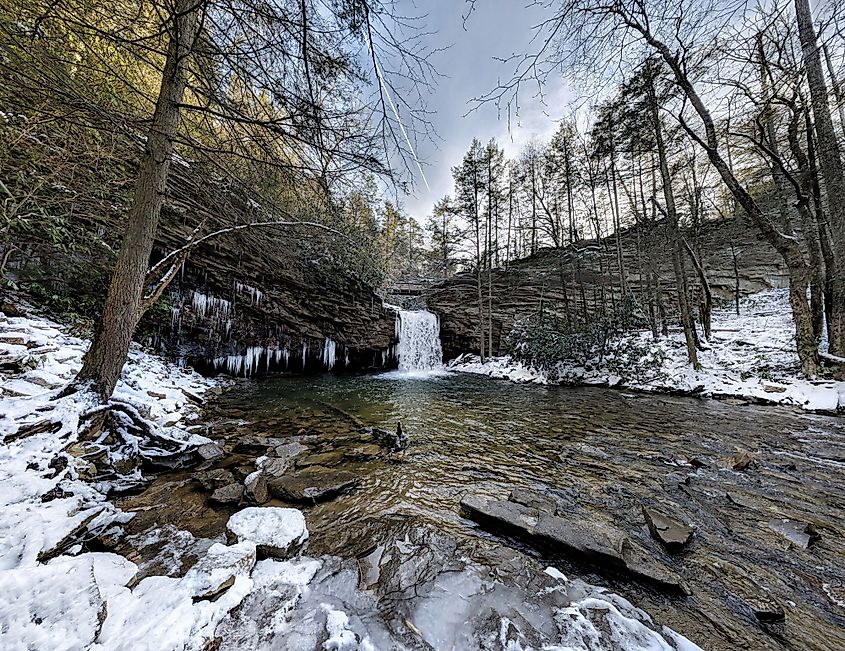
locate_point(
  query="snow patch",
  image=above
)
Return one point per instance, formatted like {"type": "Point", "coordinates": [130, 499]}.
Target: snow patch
{"type": "Point", "coordinates": [269, 527]}
{"type": "Point", "coordinates": [750, 355]}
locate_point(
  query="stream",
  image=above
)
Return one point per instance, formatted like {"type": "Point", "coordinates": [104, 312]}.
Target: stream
{"type": "Point", "coordinates": [607, 452]}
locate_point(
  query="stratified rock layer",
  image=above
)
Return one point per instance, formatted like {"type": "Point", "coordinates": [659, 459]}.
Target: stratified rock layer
{"type": "Point", "coordinates": [590, 272]}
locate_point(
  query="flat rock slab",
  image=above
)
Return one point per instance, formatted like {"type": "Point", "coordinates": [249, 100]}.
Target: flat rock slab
{"type": "Point", "coordinates": [799, 533]}
{"type": "Point", "coordinates": [600, 545]}
{"type": "Point", "coordinates": [276, 532]}
{"type": "Point", "coordinates": [316, 484]}
{"type": "Point", "coordinates": [673, 534]}
{"type": "Point", "coordinates": [211, 480]}
{"type": "Point", "coordinates": [331, 458]}
{"type": "Point", "coordinates": [288, 450]}
{"type": "Point", "coordinates": [231, 494]}
{"type": "Point", "coordinates": [274, 467]}
{"type": "Point", "coordinates": [363, 452]}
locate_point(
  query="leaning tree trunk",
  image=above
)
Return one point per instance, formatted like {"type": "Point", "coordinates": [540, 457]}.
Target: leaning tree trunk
{"type": "Point", "coordinates": [786, 246]}
{"type": "Point", "coordinates": [104, 361]}
{"type": "Point", "coordinates": [830, 161]}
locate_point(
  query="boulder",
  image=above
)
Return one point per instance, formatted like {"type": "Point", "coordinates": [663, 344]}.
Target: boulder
{"type": "Point", "coordinates": [274, 467]}
{"type": "Point", "coordinates": [316, 484]}
{"type": "Point", "coordinates": [255, 488]}
{"type": "Point", "coordinates": [673, 534]}
{"type": "Point", "coordinates": [288, 451]}
{"type": "Point", "coordinates": [216, 572]}
{"type": "Point", "coordinates": [231, 494]}
{"type": "Point", "coordinates": [276, 532]}
{"type": "Point", "coordinates": [600, 545]}
{"type": "Point", "coordinates": [209, 451]}
{"type": "Point", "coordinates": [211, 480]}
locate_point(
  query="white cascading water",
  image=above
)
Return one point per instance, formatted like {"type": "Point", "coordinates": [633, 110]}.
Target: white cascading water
{"type": "Point", "coordinates": [418, 332]}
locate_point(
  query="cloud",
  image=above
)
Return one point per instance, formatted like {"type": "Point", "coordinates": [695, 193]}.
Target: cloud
{"type": "Point", "coordinates": [471, 69]}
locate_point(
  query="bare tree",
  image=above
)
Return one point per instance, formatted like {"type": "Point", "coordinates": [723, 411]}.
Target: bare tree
{"type": "Point", "coordinates": [619, 36]}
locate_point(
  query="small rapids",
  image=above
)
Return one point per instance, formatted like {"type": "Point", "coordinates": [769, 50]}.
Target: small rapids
{"type": "Point", "coordinates": [418, 332]}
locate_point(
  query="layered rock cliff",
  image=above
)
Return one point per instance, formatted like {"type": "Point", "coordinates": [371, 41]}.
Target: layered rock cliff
{"type": "Point", "coordinates": [582, 278]}
{"type": "Point", "coordinates": [268, 299]}
{"type": "Point", "coordinates": [252, 300]}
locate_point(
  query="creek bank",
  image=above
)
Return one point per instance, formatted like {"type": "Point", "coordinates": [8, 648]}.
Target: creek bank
{"type": "Point", "coordinates": [750, 356]}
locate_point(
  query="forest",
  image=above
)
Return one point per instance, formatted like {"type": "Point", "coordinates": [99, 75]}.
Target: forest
{"type": "Point", "coordinates": [377, 324]}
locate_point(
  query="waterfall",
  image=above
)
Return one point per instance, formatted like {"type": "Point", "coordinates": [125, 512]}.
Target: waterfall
{"type": "Point", "coordinates": [419, 348]}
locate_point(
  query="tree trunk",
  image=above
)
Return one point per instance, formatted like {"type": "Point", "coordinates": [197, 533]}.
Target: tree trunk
{"type": "Point", "coordinates": [617, 218]}
{"type": "Point", "coordinates": [804, 338]}
{"type": "Point", "coordinates": [837, 88]}
{"type": "Point", "coordinates": [105, 358]}
{"type": "Point", "coordinates": [671, 212]}
{"type": "Point", "coordinates": [786, 246]}
{"type": "Point", "coordinates": [828, 256]}
{"type": "Point", "coordinates": [810, 228]}
{"type": "Point", "coordinates": [830, 162]}
{"type": "Point", "coordinates": [707, 306]}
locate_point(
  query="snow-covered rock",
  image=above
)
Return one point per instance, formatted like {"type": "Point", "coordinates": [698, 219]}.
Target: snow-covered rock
{"type": "Point", "coordinates": [276, 531]}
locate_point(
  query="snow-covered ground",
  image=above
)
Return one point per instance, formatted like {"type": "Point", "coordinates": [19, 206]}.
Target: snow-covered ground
{"type": "Point", "coordinates": [56, 596]}
{"type": "Point", "coordinates": [63, 598]}
{"type": "Point", "coordinates": [750, 355]}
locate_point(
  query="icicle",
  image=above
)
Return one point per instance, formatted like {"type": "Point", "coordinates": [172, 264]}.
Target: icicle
{"type": "Point", "coordinates": [329, 351]}
{"type": "Point", "coordinates": [205, 306]}
{"type": "Point", "coordinates": [246, 364]}
{"type": "Point", "coordinates": [254, 293]}
{"type": "Point", "coordinates": [175, 318]}
{"type": "Point", "coordinates": [304, 353]}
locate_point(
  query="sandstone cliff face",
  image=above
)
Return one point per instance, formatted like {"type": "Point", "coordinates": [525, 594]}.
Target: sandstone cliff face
{"type": "Point", "coordinates": [252, 300]}
{"type": "Point", "coordinates": [266, 299]}
{"type": "Point", "coordinates": [589, 272]}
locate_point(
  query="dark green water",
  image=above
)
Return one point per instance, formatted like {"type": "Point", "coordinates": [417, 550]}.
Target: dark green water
{"type": "Point", "coordinates": [609, 452]}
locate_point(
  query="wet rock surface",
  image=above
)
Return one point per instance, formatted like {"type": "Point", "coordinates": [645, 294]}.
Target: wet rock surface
{"type": "Point", "coordinates": [316, 484]}
{"type": "Point", "coordinates": [231, 494]}
{"type": "Point", "coordinates": [673, 534]}
{"type": "Point", "coordinates": [601, 545]}
{"type": "Point", "coordinates": [564, 457]}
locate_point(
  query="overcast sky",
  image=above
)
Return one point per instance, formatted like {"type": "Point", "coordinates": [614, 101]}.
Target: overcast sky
{"type": "Point", "coordinates": [497, 28]}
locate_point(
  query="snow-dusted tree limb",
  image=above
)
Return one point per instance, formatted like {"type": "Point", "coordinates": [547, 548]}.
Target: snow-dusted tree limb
{"type": "Point", "coordinates": [175, 259]}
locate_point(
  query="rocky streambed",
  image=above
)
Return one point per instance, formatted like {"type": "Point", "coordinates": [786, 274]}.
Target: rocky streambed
{"type": "Point", "coordinates": [722, 521]}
